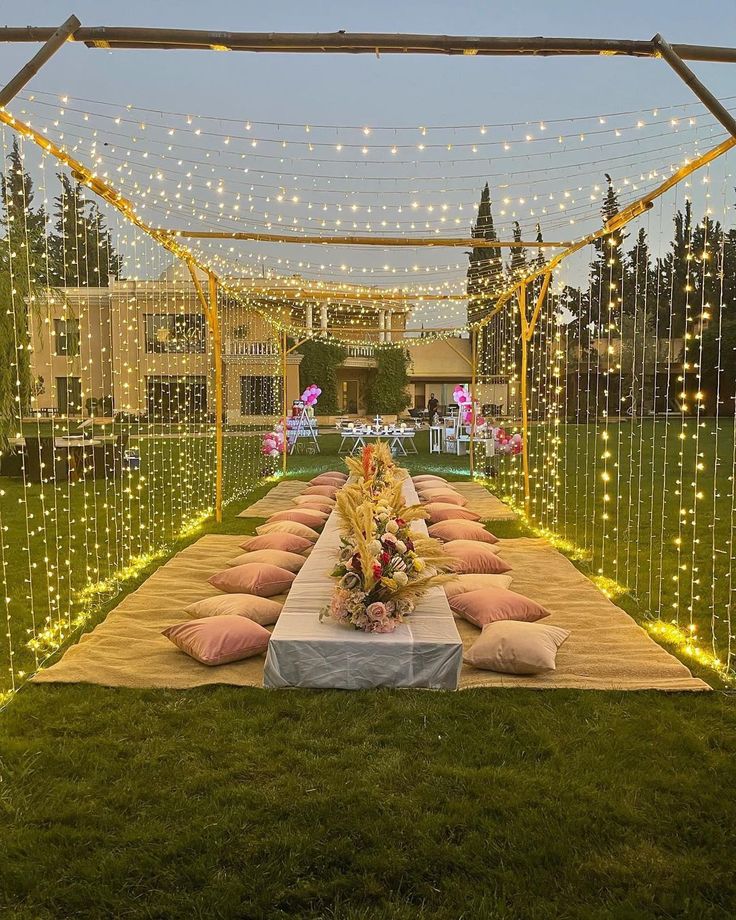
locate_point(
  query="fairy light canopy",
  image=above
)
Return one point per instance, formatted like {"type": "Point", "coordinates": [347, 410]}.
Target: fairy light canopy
{"type": "Point", "coordinates": [209, 175]}
{"type": "Point", "coordinates": [362, 232]}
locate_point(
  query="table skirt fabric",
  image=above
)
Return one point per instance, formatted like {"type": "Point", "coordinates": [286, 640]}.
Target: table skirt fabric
{"type": "Point", "coordinates": [425, 651]}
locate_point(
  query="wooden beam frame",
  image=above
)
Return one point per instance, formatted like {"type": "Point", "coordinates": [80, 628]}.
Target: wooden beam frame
{"type": "Point", "coordinates": [219, 401]}
{"type": "Point", "coordinates": [284, 405]}
{"type": "Point", "coordinates": [209, 308]}
{"type": "Point", "coordinates": [57, 38]}
{"type": "Point", "coordinates": [521, 300]}
{"type": "Point", "coordinates": [121, 37]}
{"type": "Point", "coordinates": [700, 89]}
{"type": "Point", "coordinates": [372, 240]}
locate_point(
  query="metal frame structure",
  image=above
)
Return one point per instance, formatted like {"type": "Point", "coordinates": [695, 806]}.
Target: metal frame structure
{"type": "Point", "coordinates": [363, 43]}
{"type": "Point", "coordinates": [132, 37]}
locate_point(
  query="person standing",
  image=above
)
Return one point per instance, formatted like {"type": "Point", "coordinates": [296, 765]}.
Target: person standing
{"type": "Point", "coordinates": [432, 405]}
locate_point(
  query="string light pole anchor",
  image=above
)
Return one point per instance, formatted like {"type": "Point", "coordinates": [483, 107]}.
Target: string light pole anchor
{"type": "Point", "coordinates": [716, 108]}
{"type": "Point", "coordinates": [48, 50]}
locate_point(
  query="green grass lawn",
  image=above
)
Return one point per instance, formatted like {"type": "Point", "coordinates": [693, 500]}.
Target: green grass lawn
{"type": "Point", "coordinates": [233, 802]}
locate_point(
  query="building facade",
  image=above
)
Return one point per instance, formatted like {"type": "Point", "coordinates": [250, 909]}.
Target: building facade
{"type": "Point", "coordinates": [143, 348]}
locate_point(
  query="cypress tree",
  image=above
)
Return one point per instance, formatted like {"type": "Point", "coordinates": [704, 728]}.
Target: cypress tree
{"type": "Point", "coordinates": [607, 269]}
{"type": "Point", "coordinates": [23, 269]}
{"type": "Point", "coordinates": [83, 253]}
{"type": "Point", "coordinates": [517, 264]}
{"type": "Point", "coordinates": [485, 277]}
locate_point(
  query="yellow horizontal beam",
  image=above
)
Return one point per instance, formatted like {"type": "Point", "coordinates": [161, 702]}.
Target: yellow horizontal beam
{"type": "Point", "coordinates": [136, 37]}
{"type": "Point", "coordinates": [371, 240]}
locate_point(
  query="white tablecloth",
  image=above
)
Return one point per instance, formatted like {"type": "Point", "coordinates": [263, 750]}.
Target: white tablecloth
{"type": "Point", "coordinates": [424, 651]}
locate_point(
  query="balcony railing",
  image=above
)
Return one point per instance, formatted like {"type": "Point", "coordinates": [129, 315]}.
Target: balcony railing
{"type": "Point", "coordinates": [360, 351]}
{"type": "Point", "coordinates": [245, 349]}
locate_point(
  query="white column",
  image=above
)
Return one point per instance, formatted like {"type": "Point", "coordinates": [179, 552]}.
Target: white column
{"type": "Point", "coordinates": [388, 325]}
{"type": "Point", "coordinates": [381, 326]}
{"type": "Point", "coordinates": [308, 310]}
{"type": "Point", "coordinates": [323, 317]}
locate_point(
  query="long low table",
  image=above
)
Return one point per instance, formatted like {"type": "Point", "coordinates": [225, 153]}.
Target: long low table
{"type": "Point", "coordinates": [424, 651]}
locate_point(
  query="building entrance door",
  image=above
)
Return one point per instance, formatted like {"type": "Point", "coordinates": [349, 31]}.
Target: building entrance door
{"type": "Point", "coordinates": [349, 397]}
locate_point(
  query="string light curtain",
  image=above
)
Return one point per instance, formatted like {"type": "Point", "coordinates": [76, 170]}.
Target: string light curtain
{"type": "Point", "coordinates": [627, 387]}
{"type": "Point", "coordinates": [632, 446]}
{"type": "Point", "coordinates": [107, 404]}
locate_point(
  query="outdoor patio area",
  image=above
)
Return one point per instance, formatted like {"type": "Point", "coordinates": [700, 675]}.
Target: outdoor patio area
{"type": "Point", "coordinates": [367, 462]}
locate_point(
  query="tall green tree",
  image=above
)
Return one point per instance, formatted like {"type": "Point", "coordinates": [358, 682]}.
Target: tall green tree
{"type": "Point", "coordinates": [675, 273]}
{"type": "Point", "coordinates": [23, 252]}
{"type": "Point", "coordinates": [518, 262]}
{"type": "Point", "coordinates": [83, 251]}
{"type": "Point", "coordinates": [607, 268]}
{"type": "Point", "coordinates": [486, 276]}
{"type": "Point", "coordinates": [23, 272]}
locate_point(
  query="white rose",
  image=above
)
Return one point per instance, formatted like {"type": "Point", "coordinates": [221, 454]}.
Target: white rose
{"type": "Point", "coordinates": [392, 527]}
{"type": "Point", "coordinates": [375, 547]}
{"type": "Point", "coordinates": [401, 546]}
{"type": "Point", "coordinates": [401, 578]}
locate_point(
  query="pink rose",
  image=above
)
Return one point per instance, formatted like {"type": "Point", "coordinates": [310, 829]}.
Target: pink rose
{"type": "Point", "coordinates": [376, 612]}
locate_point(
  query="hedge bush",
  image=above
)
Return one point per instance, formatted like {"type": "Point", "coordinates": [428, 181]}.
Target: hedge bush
{"type": "Point", "coordinates": [387, 391]}
{"type": "Point", "coordinates": [319, 364]}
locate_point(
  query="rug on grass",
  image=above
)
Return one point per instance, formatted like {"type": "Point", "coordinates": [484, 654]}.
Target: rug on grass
{"type": "Point", "coordinates": [483, 502]}
{"type": "Point", "coordinates": [606, 649]}
{"type": "Point", "coordinates": [279, 498]}
{"type": "Point", "coordinates": [128, 650]}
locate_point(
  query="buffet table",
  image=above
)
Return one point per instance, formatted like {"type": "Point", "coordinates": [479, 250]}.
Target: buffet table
{"type": "Point", "coordinates": [400, 440]}
{"type": "Point", "coordinates": [424, 651]}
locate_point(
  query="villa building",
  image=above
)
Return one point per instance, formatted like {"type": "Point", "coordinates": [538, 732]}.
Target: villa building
{"type": "Point", "coordinates": [144, 348]}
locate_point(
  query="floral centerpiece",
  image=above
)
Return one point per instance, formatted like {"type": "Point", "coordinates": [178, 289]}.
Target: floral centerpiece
{"type": "Point", "coordinates": [385, 566]}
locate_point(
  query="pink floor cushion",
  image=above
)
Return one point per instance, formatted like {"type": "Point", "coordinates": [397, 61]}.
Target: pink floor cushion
{"type": "Point", "coordinates": [286, 542]}
{"type": "Point", "coordinates": [309, 517]}
{"type": "Point", "coordinates": [262, 610]}
{"type": "Point", "coordinates": [292, 562]}
{"type": "Point", "coordinates": [292, 527]}
{"type": "Point", "coordinates": [488, 605]}
{"type": "Point", "coordinates": [445, 496]}
{"type": "Point", "coordinates": [327, 479]}
{"type": "Point", "coordinates": [337, 474]}
{"type": "Point", "coordinates": [464, 583]}
{"type": "Point", "coordinates": [321, 502]}
{"type": "Point", "coordinates": [473, 558]}
{"type": "Point", "coordinates": [513, 647]}
{"type": "Point", "coordinates": [439, 511]}
{"type": "Point", "coordinates": [461, 530]}
{"type": "Point", "coordinates": [329, 491]}
{"type": "Point", "coordinates": [428, 478]}
{"type": "Point", "coordinates": [220, 639]}
{"type": "Point", "coordinates": [259, 578]}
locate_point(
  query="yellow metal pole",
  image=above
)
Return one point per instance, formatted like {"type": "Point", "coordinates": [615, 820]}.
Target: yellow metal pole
{"type": "Point", "coordinates": [284, 413]}
{"type": "Point", "coordinates": [217, 352]}
{"type": "Point", "coordinates": [473, 380]}
{"type": "Point", "coordinates": [524, 400]}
